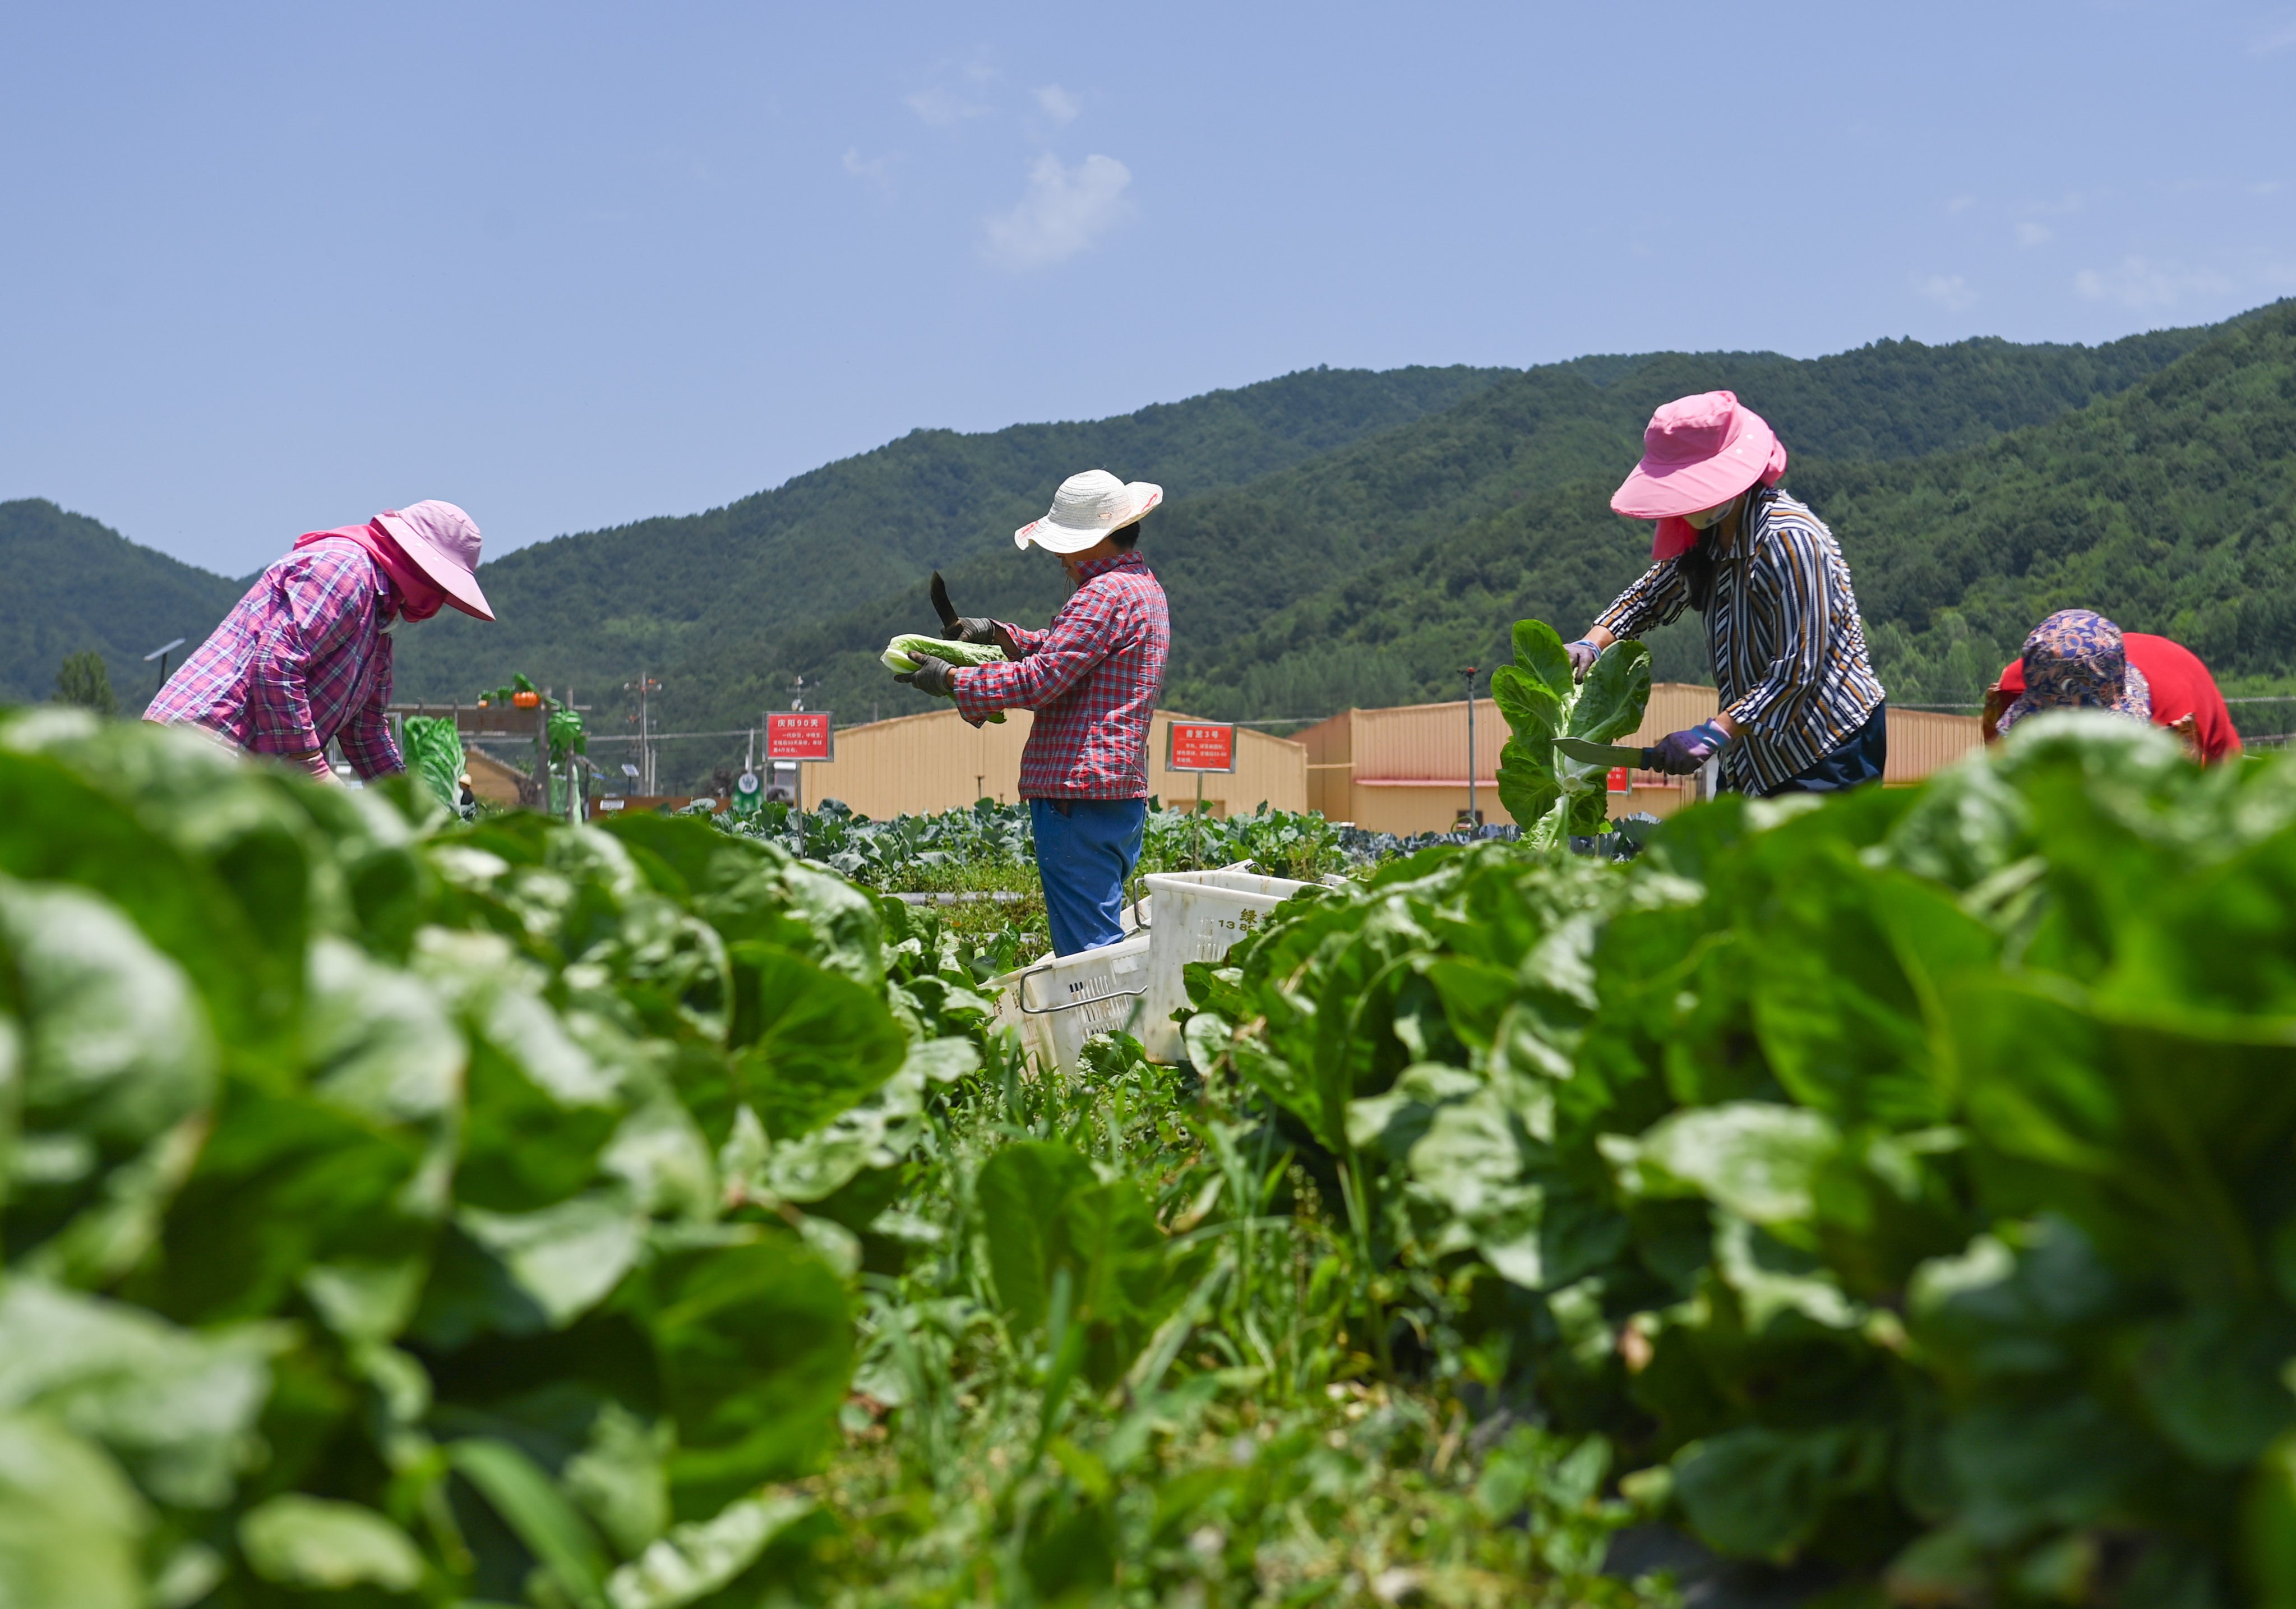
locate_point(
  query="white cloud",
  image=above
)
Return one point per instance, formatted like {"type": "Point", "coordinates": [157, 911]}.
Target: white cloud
{"type": "Point", "coordinates": [1950, 292]}
{"type": "Point", "coordinates": [944, 109]}
{"type": "Point", "coordinates": [2273, 42]}
{"type": "Point", "coordinates": [1065, 210]}
{"type": "Point", "coordinates": [2140, 282]}
{"type": "Point", "coordinates": [2031, 233]}
{"type": "Point", "coordinates": [1961, 203]}
{"type": "Point", "coordinates": [1059, 104]}
{"type": "Point", "coordinates": [876, 170]}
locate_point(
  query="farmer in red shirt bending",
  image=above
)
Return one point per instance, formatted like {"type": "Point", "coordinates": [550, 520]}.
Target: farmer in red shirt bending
{"type": "Point", "coordinates": [1092, 678]}
{"type": "Point", "coordinates": [2078, 659]}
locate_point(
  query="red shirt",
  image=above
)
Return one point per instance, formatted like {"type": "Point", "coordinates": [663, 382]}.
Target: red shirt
{"type": "Point", "coordinates": [1093, 678]}
{"type": "Point", "coordinates": [2181, 686]}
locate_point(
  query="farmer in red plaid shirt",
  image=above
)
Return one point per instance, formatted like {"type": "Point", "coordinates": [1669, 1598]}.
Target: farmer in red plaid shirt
{"type": "Point", "coordinates": [1092, 678]}
{"type": "Point", "coordinates": [304, 659]}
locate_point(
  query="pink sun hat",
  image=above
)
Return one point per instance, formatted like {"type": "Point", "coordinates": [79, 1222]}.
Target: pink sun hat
{"type": "Point", "coordinates": [444, 542]}
{"type": "Point", "coordinates": [1699, 452]}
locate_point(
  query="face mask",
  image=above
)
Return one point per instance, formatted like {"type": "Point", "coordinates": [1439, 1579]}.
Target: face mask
{"type": "Point", "coordinates": [1706, 517]}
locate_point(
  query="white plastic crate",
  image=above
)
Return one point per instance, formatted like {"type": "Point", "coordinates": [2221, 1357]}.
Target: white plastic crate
{"type": "Point", "coordinates": [1198, 915]}
{"type": "Point", "coordinates": [1063, 1000]}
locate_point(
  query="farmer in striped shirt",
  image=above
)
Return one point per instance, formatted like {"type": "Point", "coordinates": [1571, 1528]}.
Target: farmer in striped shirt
{"type": "Point", "coordinates": [1801, 710]}
{"type": "Point", "coordinates": [1093, 678]}
{"type": "Point", "coordinates": [304, 659]}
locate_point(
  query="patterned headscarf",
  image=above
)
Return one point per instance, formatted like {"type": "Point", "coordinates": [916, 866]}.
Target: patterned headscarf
{"type": "Point", "coordinates": [2075, 660]}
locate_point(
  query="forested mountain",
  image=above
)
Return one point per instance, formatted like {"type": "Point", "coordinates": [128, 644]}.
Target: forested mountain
{"type": "Point", "coordinates": [697, 590]}
{"type": "Point", "coordinates": [2171, 508]}
{"type": "Point", "coordinates": [74, 585]}
{"type": "Point", "coordinates": [595, 606]}
{"type": "Point", "coordinates": [1354, 537]}
{"type": "Point", "coordinates": [1425, 540]}
{"type": "Point", "coordinates": [2167, 506]}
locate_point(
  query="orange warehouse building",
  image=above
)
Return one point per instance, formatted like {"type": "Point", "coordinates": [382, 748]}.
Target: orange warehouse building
{"type": "Point", "coordinates": [1404, 770]}
{"type": "Point", "coordinates": [915, 764]}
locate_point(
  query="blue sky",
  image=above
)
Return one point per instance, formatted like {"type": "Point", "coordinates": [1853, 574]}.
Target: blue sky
{"type": "Point", "coordinates": [271, 268]}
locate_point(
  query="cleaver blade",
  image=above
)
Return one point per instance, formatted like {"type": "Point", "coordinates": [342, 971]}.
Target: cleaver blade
{"type": "Point", "coordinates": [1602, 754]}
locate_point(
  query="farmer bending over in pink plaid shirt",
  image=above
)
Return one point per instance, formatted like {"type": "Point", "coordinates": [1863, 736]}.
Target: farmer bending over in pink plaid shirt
{"type": "Point", "coordinates": [304, 659]}
{"type": "Point", "coordinates": [1092, 679]}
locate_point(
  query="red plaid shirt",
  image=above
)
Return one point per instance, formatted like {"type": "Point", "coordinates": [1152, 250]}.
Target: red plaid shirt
{"type": "Point", "coordinates": [1092, 678]}
{"type": "Point", "coordinates": [302, 659]}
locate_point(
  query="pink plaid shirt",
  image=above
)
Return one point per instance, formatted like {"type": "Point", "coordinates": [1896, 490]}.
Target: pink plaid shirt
{"type": "Point", "coordinates": [1092, 678]}
{"type": "Point", "coordinates": [302, 659]}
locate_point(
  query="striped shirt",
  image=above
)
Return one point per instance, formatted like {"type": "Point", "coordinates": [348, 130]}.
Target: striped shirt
{"type": "Point", "coordinates": [1093, 678]}
{"type": "Point", "coordinates": [1789, 649]}
{"type": "Point", "coordinates": [301, 660]}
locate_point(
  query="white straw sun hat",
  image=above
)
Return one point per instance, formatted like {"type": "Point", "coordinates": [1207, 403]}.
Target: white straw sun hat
{"type": "Point", "coordinates": [1086, 509]}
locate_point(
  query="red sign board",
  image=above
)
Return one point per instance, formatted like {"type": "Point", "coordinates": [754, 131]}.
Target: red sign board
{"type": "Point", "coordinates": [801, 735]}
{"type": "Point", "coordinates": [1199, 745]}
{"type": "Point", "coordinates": [1623, 780]}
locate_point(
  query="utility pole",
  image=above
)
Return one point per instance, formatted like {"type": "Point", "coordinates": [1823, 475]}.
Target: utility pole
{"type": "Point", "coordinates": [573, 768]}
{"type": "Point", "coordinates": [1474, 816]}
{"type": "Point", "coordinates": [645, 686]}
{"type": "Point", "coordinates": [542, 752]}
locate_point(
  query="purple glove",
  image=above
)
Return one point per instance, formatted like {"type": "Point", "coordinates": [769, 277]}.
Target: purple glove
{"type": "Point", "coordinates": [1583, 655]}
{"type": "Point", "coordinates": [936, 676]}
{"type": "Point", "coordinates": [1680, 753]}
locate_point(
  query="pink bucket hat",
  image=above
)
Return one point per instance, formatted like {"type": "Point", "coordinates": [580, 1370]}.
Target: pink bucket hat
{"type": "Point", "coordinates": [444, 541]}
{"type": "Point", "coordinates": [1699, 452]}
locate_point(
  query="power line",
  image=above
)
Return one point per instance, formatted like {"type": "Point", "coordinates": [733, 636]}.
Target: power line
{"type": "Point", "coordinates": [663, 738]}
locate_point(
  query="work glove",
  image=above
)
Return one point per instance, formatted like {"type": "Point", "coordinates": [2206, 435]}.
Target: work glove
{"type": "Point", "coordinates": [1680, 753]}
{"type": "Point", "coordinates": [959, 627]}
{"type": "Point", "coordinates": [936, 676]}
{"type": "Point", "coordinates": [1583, 655]}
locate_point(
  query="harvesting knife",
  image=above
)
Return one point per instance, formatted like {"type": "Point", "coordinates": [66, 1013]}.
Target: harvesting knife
{"type": "Point", "coordinates": [949, 621]}
{"type": "Point", "coordinates": [1603, 754]}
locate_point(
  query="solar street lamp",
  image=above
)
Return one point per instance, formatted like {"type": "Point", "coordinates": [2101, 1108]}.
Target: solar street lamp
{"type": "Point", "coordinates": [160, 654]}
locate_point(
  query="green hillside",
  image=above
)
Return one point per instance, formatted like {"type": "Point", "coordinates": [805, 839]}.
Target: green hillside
{"type": "Point", "coordinates": [2166, 506]}
{"type": "Point", "coordinates": [1353, 538]}
{"type": "Point", "coordinates": [595, 607]}
{"type": "Point", "coordinates": [2171, 507]}
{"type": "Point", "coordinates": [1418, 541]}
{"type": "Point", "coordinates": [75, 585]}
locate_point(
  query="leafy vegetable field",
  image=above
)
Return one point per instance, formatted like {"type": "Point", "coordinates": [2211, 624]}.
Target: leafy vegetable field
{"type": "Point", "coordinates": [403, 1211]}
{"type": "Point", "coordinates": [406, 1212]}
{"type": "Point", "coordinates": [995, 839]}
{"type": "Point", "coordinates": [1903, 1181]}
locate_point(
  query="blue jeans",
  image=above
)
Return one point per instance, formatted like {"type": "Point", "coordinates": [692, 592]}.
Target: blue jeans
{"type": "Point", "coordinates": [1085, 848]}
{"type": "Point", "coordinates": [1859, 760]}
